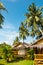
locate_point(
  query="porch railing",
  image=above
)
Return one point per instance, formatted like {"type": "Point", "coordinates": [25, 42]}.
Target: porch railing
{"type": "Point", "coordinates": [38, 59]}
{"type": "Point", "coordinates": [38, 56]}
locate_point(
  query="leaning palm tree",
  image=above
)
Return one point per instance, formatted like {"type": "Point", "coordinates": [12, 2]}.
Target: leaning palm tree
{"type": "Point", "coordinates": [2, 8]}
{"type": "Point", "coordinates": [34, 20]}
{"type": "Point", "coordinates": [23, 32]}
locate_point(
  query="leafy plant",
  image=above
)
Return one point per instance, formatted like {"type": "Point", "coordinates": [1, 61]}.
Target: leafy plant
{"type": "Point", "coordinates": [31, 53]}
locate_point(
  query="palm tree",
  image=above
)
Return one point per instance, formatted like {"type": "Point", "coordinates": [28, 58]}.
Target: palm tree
{"type": "Point", "coordinates": [23, 32]}
{"type": "Point", "coordinates": [2, 8]}
{"type": "Point", "coordinates": [16, 41]}
{"type": "Point", "coordinates": [34, 20]}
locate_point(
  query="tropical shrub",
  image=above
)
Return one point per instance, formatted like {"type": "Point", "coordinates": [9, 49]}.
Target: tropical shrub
{"type": "Point", "coordinates": [31, 53]}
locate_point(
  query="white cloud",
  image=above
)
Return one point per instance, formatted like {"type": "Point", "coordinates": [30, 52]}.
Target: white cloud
{"type": "Point", "coordinates": [8, 36]}
{"type": "Point", "coordinates": [8, 33]}
{"type": "Point", "coordinates": [8, 26]}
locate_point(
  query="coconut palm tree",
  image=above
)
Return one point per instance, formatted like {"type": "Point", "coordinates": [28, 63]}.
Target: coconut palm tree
{"type": "Point", "coordinates": [2, 8]}
{"type": "Point", "coordinates": [23, 32]}
{"type": "Point", "coordinates": [16, 41]}
{"type": "Point", "coordinates": [34, 20]}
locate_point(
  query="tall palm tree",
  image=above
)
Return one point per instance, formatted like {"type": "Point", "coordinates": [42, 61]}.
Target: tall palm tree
{"type": "Point", "coordinates": [23, 32]}
{"type": "Point", "coordinates": [2, 8]}
{"type": "Point", "coordinates": [34, 20]}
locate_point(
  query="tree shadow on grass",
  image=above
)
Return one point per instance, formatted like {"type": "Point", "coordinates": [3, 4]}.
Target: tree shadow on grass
{"type": "Point", "coordinates": [1, 64]}
{"type": "Point", "coordinates": [19, 59]}
{"type": "Point", "coordinates": [15, 60]}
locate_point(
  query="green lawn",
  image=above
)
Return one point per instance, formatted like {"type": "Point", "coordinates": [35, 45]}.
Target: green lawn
{"type": "Point", "coordinates": [22, 62]}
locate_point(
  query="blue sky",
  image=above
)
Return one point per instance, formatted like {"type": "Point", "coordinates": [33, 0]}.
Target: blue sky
{"type": "Point", "coordinates": [16, 10]}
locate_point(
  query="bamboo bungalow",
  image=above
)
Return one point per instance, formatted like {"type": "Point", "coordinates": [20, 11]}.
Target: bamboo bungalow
{"type": "Point", "coordinates": [20, 49]}
{"type": "Point", "coordinates": [38, 51]}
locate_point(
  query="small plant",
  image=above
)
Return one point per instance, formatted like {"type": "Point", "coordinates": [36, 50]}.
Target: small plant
{"type": "Point", "coordinates": [31, 53]}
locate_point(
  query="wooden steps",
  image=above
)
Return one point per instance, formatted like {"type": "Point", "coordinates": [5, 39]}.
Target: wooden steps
{"type": "Point", "coordinates": [38, 60]}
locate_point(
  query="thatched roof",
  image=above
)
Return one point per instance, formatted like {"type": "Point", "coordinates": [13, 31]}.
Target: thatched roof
{"type": "Point", "coordinates": [37, 45]}
{"type": "Point", "coordinates": [37, 41]}
{"type": "Point", "coordinates": [21, 45]}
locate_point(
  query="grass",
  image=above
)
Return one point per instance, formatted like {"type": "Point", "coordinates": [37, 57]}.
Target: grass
{"type": "Point", "coordinates": [22, 62]}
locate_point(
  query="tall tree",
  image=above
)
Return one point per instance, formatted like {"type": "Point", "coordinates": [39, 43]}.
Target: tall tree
{"type": "Point", "coordinates": [23, 32]}
{"type": "Point", "coordinates": [16, 41]}
{"type": "Point", "coordinates": [2, 8]}
{"type": "Point", "coordinates": [34, 20]}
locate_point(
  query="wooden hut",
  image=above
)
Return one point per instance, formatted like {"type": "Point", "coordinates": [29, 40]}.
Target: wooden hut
{"type": "Point", "coordinates": [20, 49]}
{"type": "Point", "coordinates": [38, 51]}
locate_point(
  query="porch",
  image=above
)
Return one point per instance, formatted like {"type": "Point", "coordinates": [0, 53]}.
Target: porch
{"type": "Point", "coordinates": [38, 54]}
{"type": "Point", "coordinates": [38, 59]}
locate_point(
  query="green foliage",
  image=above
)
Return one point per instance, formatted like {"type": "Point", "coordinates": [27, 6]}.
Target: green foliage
{"type": "Point", "coordinates": [16, 41]}
{"type": "Point", "coordinates": [21, 62]}
{"type": "Point", "coordinates": [3, 49]}
{"type": "Point", "coordinates": [9, 57]}
{"type": "Point", "coordinates": [1, 20]}
{"type": "Point", "coordinates": [2, 8]}
{"type": "Point", "coordinates": [34, 20]}
{"type": "Point", "coordinates": [31, 53]}
{"type": "Point", "coordinates": [23, 32]}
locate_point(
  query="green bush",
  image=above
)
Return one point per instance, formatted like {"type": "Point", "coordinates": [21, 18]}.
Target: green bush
{"type": "Point", "coordinates": [31, 53]}
{"type": "Point", "coordinates": [0, 57]}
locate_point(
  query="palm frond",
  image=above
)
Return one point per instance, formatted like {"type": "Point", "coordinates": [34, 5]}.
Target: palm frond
{"type": "Point", "coordinates": [2, 7]}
